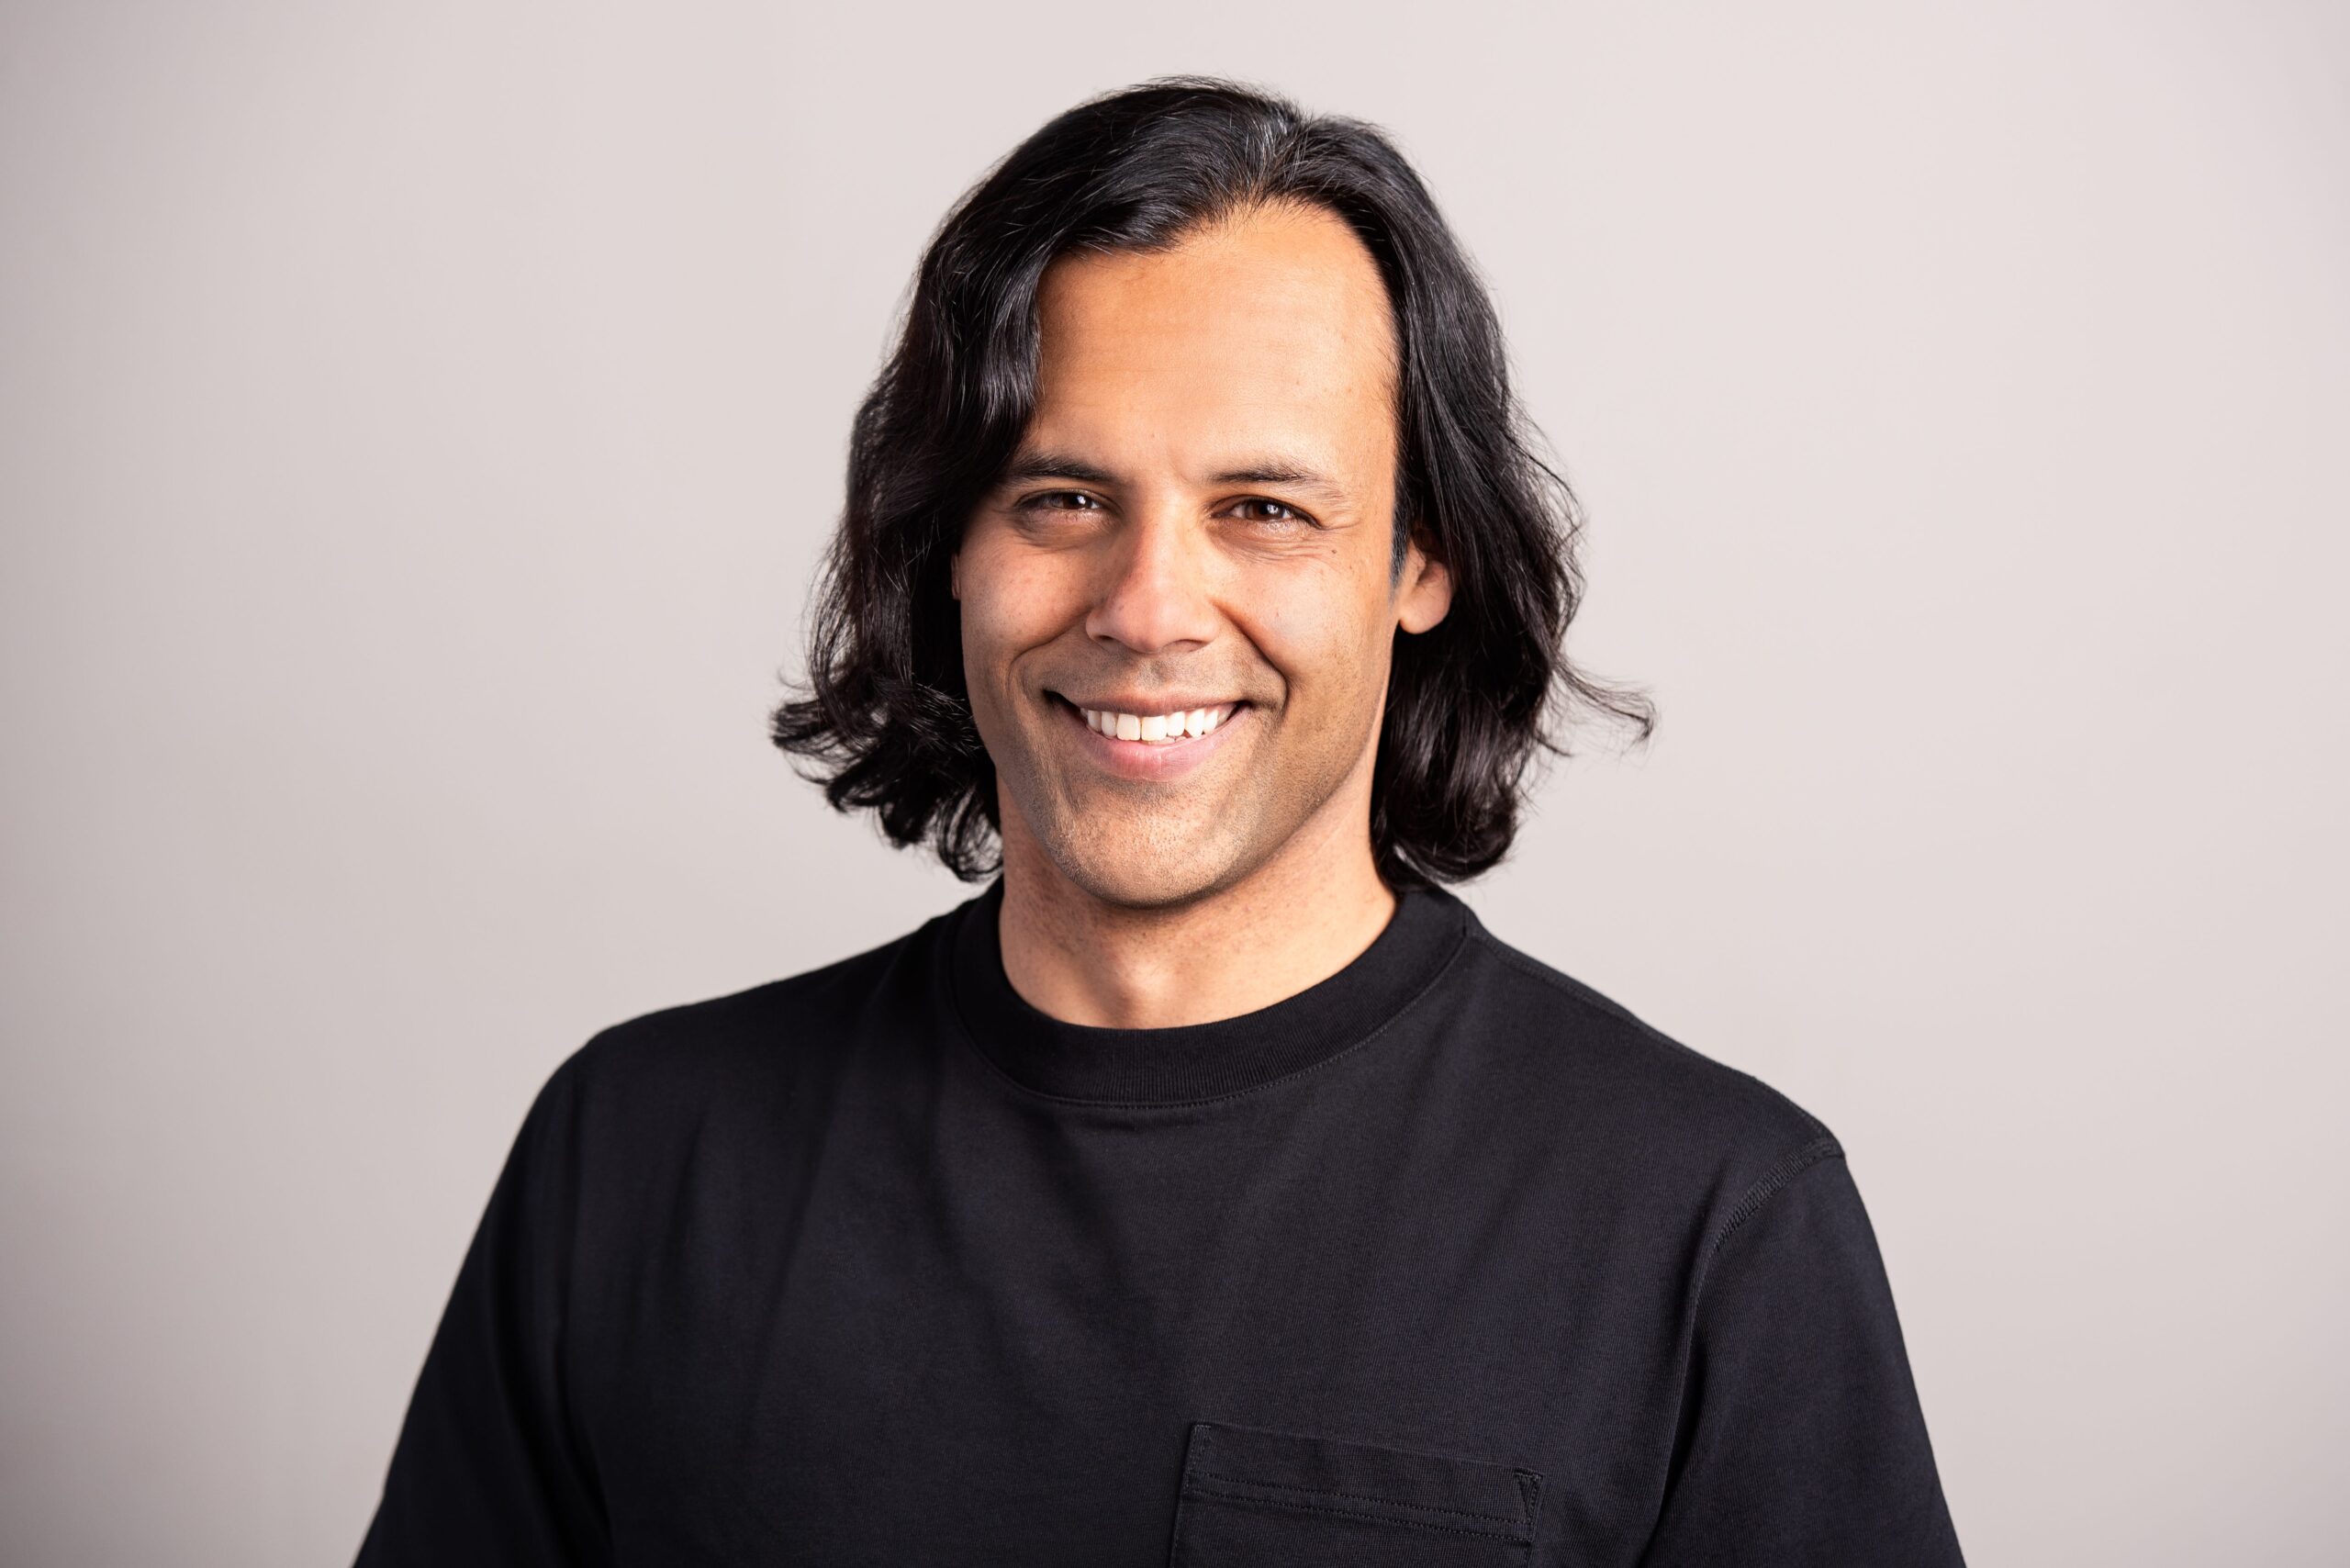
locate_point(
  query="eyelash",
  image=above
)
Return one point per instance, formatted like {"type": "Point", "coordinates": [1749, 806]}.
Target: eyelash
{"type": "Point", "coordinates": [1036, 503]}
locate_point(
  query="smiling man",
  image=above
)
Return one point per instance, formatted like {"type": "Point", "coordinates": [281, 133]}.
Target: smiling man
{"type": "Point", "coordinates": [1212, 1188]}
{"type": "Point", "coordinates": [1177, 611]}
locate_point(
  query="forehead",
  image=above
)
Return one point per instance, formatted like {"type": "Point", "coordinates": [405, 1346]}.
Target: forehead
{"type": "Point", "coordinates": [1274, 324]}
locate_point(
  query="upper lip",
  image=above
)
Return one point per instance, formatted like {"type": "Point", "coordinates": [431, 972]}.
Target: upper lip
{"type": "Point", "coordinates": [1167, 702]}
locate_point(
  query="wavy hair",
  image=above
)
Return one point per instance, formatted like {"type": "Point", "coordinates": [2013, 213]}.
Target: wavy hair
{"type": "Point", "coordinates": [883, 720]}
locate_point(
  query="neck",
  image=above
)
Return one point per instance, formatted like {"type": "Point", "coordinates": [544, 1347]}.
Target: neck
{"type": "Point", "coordinates": [1290, 923]}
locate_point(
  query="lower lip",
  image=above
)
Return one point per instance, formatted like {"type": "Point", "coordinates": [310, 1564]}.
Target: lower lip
{"type": "Point", "coordinates": [1143, 761]}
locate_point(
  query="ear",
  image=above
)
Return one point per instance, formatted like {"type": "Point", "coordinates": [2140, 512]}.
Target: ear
{"type": "Point", "coordinates": [953, 578]}
{"type": "Point", "coordinates": [1424, 592]}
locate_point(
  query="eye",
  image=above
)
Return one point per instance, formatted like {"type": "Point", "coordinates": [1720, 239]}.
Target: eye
{"type": "Point", "coordinates": [1058, 500]}
{"type": "Point", "coordinates": [1278, 514]}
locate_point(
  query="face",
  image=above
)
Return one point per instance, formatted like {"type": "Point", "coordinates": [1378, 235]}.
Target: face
{"type": "Point", "coordinates": [1178, 607]}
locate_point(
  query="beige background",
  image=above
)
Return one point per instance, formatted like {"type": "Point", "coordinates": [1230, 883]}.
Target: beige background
{"type": "Point", "coordinates": [418, 421]}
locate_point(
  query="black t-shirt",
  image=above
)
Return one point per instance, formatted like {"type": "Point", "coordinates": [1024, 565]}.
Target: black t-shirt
{"type": "Point", "coordinates": [1446, 1259]}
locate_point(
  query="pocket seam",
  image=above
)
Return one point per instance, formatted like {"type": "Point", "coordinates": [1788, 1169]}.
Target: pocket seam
{"type": "Point", "coordinates": [1355, 1514]}
{"type": "Point", "coordinates": [1514, 1523]}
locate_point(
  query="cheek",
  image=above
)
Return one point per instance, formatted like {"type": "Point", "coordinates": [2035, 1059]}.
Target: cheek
{"type": "Point", "coordinates": [1009, 605]}
{"type": "Point", "coordinates": [1329, 641]}
{"type": "Point", "coordinates": [1000, 595]}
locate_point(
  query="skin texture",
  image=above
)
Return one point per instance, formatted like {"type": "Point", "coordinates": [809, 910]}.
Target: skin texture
{"type": "Point", "coordinates": [1135, 570]}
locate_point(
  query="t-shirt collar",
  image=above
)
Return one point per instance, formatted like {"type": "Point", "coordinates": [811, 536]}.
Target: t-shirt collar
{"type": "Point", "coordinates": [1196, 1061]}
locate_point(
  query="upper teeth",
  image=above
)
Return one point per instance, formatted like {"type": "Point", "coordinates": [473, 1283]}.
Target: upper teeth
{"type": "Point", "coordinates": [1156, 727]}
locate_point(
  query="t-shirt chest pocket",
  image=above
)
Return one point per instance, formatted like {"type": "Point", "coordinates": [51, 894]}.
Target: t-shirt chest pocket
{"type": "Point", "coordinates": [1271, 1499]}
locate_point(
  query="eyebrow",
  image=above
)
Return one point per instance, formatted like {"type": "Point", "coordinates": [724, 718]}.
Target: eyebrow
{"type": "Point", "coordinates": [1028, 466]}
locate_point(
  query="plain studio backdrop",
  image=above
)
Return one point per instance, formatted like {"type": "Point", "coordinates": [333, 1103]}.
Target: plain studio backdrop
{"type": "Point", "coordinates": [419, 422]}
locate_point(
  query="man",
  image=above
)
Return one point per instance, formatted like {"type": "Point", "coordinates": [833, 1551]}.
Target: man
{"type": "Point", "coordinates": [1212, 1188]}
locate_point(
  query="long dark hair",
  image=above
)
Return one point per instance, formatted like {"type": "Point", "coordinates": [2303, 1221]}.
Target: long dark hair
{"type": "Point", "coordinates": [884, 719]}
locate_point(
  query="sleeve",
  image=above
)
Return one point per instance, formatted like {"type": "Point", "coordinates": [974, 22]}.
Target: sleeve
{"type": "Point", "coordinates": [1800, 1436]}
{"type": "Point", "coordinates": [488, 1469]}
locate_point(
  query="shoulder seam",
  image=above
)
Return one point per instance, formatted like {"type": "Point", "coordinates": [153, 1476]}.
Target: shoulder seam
{"type": "Point", "coordinates": [1759, 1192]}
{"type": "Point", "coordinates": [1752, 1201]}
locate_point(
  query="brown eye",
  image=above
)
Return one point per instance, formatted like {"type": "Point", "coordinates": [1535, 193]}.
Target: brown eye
{"type": "Point", "coordinates": [1275, 512]}
{"type": "Point", "coordinates": [1043, 507]}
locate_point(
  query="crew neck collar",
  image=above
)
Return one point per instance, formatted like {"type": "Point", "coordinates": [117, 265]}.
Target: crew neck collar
{"type": "Point", "coordinates": [1196, 1061]}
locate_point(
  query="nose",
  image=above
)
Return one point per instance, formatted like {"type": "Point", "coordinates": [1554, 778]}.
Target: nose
{"type": "Point", "coordinates": [1153, 595]}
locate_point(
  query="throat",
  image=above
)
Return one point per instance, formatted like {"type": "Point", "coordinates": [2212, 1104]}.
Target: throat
{"type": "Point", "coordinates": [1081, 960]}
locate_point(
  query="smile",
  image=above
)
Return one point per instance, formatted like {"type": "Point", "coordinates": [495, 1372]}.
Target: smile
{"type": "Point", "coordinates": [1156, 729]}
{"type": "Point", "coordinates": [1152, 748]}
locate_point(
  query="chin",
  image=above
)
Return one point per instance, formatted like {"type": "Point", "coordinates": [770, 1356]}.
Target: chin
{"type": "Point", "coordinates": [1140, 868]}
